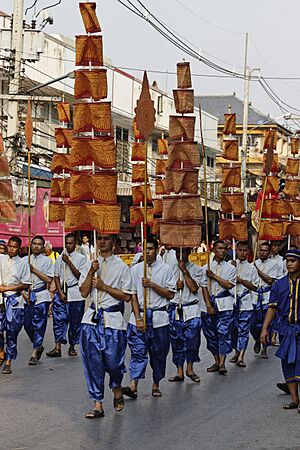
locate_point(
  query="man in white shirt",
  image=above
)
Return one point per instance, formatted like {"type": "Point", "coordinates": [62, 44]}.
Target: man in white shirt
{"type": "Point", "coordinates": [168, 255]}
{"type": "Point", "coordinates": [267, 271]}
{"type": "Point", "coordinates": [217, 327]}
{"type": "Point", "coordinates": [185, 316]}
{"type": "Point", "coordinates": [86, 249]}
{"type": "Point", "coordinates": [38, 298]}
{"type": "Point", "coordinates": [247, 282]}
{"type": "Point", "coordinates": [14, 278]}
{"type": "Point", "coordinates": [154, 339]}
{"type": "Point", "coordinates": [103, 331]}
{"type": "Point", "coordinates": [68, 304]}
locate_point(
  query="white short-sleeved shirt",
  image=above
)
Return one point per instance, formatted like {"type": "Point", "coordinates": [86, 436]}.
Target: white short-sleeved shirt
{"type": "Point", "coordinates": [247, 272]}
{"type": "Point", "coordinates": [187, 297]}
{"type": "Point", "coordinates": [270, 268]}
{"type": "Point", "coordinates": [44, 265]}
{"type": "Point", "coordinates": [226, 271]}
{"type": "Point", "coordinates": [14, 271]}
{"type": "Point", "coordinates": [116, 274]}
{"type": "Point", "coordinates": [169, 257]}
{"type": "Point", "coordinates": [281, 264]}
{"type": "Point", "coordinates": [65, 274]}
{"type": "Point", "coordinates": [162, 275]}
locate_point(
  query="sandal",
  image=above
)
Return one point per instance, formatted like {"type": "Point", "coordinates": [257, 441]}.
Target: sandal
{"type": "Point", "coordinates": [95, 414]}
{"type": "Point", "coordinates": [213, 368]}
{"type": "Point", "coordinates": [222, 370]}
{"type": "Point", "coordinates": [72, 351]}
{"type": "Point", "coordinates": [194, 377]}
{"type": "Point", "coordinates": [241, 364]}
{"type": "Point", "coordinates": [119, 402]}
{"type": "Point", "coordinates": [54, 353]}
{"type": "Point", "coordinates": [290, 405]}
{"type": "Point", "coordinates": [39, 353]}
{"type": "Point", "coordinates": [129, 392]}
{"type": "Point", "coordinates": [7, 370]}
{"type": "Point", "coordinates": [234, 359]}
{"type": "Point", "coordinates": [175, 379]}
{"type": "Point", "coordinates": [257, 347]}
{"type": "Point", "coordinates": [32, 361]}
{"type": "Point", "coordinates": [156, 392]}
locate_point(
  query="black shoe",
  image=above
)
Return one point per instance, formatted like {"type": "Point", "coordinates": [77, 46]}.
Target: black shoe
{"type": "Point", "coordinates": [283, 387]}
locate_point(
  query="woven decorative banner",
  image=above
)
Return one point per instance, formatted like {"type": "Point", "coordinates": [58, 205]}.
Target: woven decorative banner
{"type": "Point", "coordinates": [101, 186]}
{"type": "Point", "coordinates": [276, 208]}
{"type": "Point", "coordinates": [162, 146]}
{"type": "Point", "coordinates": [138, 194]}
{"type": "Point", "coordinates": [60, 187]}
{"type": "Point", "coordinates": [182, 181]}
{"type": "Point", "coordinates": [295, 206]}
{"type": "Point", "coordinates": [137, 215]}
{"type": "Point", "coordinates": [184, 79]}
{"type": "Point", "coordinates": [270, 139]}
{"type": "Point", "coordinates": [231, 150]}
{"type": "Point", "coordinates": [63, 137]}
{"type": "Point", "coordinates": [233, 229]}
{"type": "Point", "coordinates": [292, 167]}
{"type": "Point", "coordinates": [89, 51]}
{"type": "Point", "coordinates": [157, 206]}
{"type": "Point", "coordinates": [274, 166]}
{"type": "Point", "coordinates": [138, 151]}
{"type": "Point", "coordinates": [186, 153]}
{"type": "Point", "coordinates": [63, 111]}
{"type": "Point", "coordinates": [1, 144]}
{"type": "Point", "coordinates": [8, 211]}
{"type": "Point", "coordinates": [138, 173]}
{"type": "Point", "coordinates": [292, 228]}
{"type": "Point", "coordinates": [233, 203]}
{"type": "Point", "coordinates": [89, 216]}
{"type": "Point", "coordinates": [6, 190]}
{"type": "Point", "coordinates": [89, 17]}
{"type": "Point", "coordinates": [182, 127]}
{"type": "Point", "coordinates": [272, 185]}
{"type": "Point", "coordinates": [90, 84]}
{"type": "Point", "coordinates": [28, 126]}
{"type": "Point", "coordinates": [295, 146]}
{"type": "Point", "coordinates": [60, 162]}
{"type": "Point", "coordinates": [184, 101]}
{"type": "Point", "coordinates": [231, 176]}
{"type": "Point", "coordinates": [291, 188]}
{"type": "Point", "coordinates": [271, 230]}
{"type": "Point", "coordinates": [160, 187]}
{"type": "Point", "coordinates": [57, 212]}
{"type": "Point", "coordinates": [93, 116]}
{"type": "Point", "coordinates": [101, 151]}
{"type": "Point", "coordinates": [181, 234]}
{"type": "Point", "coordinates": [185, 208]}
{"type": "Point", "coordinates": [136, 133]}
{"type": "Point", "coordinates": [145, 111]}
{"type": "Point", "coordinates": [161, 166]}
{"type": "Point", "coordinates": [4, 168]}
{"type": "Point", "coordinates": [230, 124]}
{"type": "Point", "coordinates": [156, 226]}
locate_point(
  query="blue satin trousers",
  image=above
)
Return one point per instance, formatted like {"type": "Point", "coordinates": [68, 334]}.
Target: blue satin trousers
{"type": "Point", "coordinates": [11, 329]}
{"type": "Point", "coordinates": [67, 319]}
{"type": "Point", "coordinates": [241, 329]}
{"type": "Point", "coordinates": [217, 331]}
{"type": "Point", "coordinates": [97, 362]}
{"type": "Point", "coordinates": [157, 347]}
{"type": "Point", "coordinates": [35, 322]}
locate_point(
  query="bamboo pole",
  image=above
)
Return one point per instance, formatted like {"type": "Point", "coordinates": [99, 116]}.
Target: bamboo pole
{"type": "Point", "coordinates": [145, 231]}
{"type": "Point", "coordinates": [29, 205]}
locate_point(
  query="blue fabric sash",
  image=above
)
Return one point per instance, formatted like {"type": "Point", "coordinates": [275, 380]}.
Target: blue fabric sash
{"type": "Point", "coordinates": [223, 294]}
{"type": "Point", "coordinates": [66, 287]}
{"type": "Point", "coordinates": [98, 318]}
{"type": "Point", "coordinates": [149, 320]}
{"type": "Point", "coordinates": [240, 297]}
{"type": "Point", "coordinates": [11, 300]}
{"type": "Point", "coordinates": [33, 292]}
{"type": "Point", "coordinates": [287, 349]}
{"type": "Point", "coordinates": [259, 307]}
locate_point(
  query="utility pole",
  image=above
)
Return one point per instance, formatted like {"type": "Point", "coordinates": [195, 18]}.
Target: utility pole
{"type": "Point", "coordinates": [14, 83]}
{"type": "Point", "coordinates": [245, 125]}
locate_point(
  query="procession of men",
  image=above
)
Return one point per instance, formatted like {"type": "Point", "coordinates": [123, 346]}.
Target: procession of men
{"type": "Point", "coordinates": [228, 300]}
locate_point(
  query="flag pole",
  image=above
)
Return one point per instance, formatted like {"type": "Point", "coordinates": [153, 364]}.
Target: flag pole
{"type": "Point", "coordinates": [145, 230]}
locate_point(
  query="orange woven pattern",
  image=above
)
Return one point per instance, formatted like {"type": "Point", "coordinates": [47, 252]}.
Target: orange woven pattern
{"type": "Point", "coordinates": [60, 187]}
{"type": "Point", "coordinates": [291, 188]}
{"type": "Point", "coordinates": [231, 176]}
{"type": "Point", "coordinates": [275, 164]}
{"type": "Point", "coordinates": [90, 83]}
{"type": "Point", "coordinates": [137, 215]}
{"type": "Point", "coordinates": [295, 146]}
{"type": "Point", "coordinates": [230, 124]}
{"type": "Point", "coordinates": [184, 152]}
{"type": "Point", "coordinates": [136, 132]}
{"type": "Point", "coordinates": [138, 151]}
{"type": "Point", "coordinates": [103, 218]}
{"type": "Point", "coordinates": [28, 126]}
{"type": "Point", "coordinates": [156, 226]}
{"type": "Point", "coordinates": [160, 187]}
{"type": "Point", "coordinates": [182, 127]}
{"type": "Point", "coordinates": [272, 185]}
{"type": "Point", "coordinates": [57, 212]}
{"type": "Point", "coordinates": [184, 79]}
{"type": "Point", "coordinates": [93, 116]}
{"type": "Point", "coordinates": [101, 151]}
{"type": "Point", "coordinates": [184, 101]}
{"type": "Point", "coordinates": [89, 50]}
{"type": "Point", "coordinates": [138, 173]}
{"type": "Point", "coordinates": [101, 187]}
{"type": "Point", "coordinates": [182, 181]}
{"type": "Point", "coordinates": [275, 208]}
{"type": "Point", "coordinates": [63, 111]}
{"type": "Point", "coordinates": [157, 207]}
{"type": "Point", "coordinates": [60, 162]}
{"type": "Point", "coordinates": [162, 146]}
{"type": "Point", "coordinates": [6, 190]}
{"type": "Point", "coordinates": [63, 137]}
{"type": "Point", "coordinates": [232, 203]}
{"type": "Point", "coordinates": [161, 166]}
{"type": "Point", "coordinates": [89, 17]}
{"type": "Point", "coordinates": [271, 230]}
{"type": "Point", "coordinates": [233, 229]}
{"type": "Point", "coordinates": [270, 139]}
{"type": "Point", "coordinates": [292, 228]}
{"type": "Point", "coordinates": [182, 208]}
{"type": "Point", "coordinates": [1, 144]}
{"type": "Point", "coordinates": [295, 206]}
{"type": "Point", "coordinates": [4, 168]}
{"type": "Point", "coordinates": [181, 234]}
{"type": "Point", "coordinates": [292, 167]}
{"type": "Point", "coordinates": [8, 211]}
{"type": "Point", "coordinates": [231, 150]}
{"type": "Point", "coordinates": [138, 194]}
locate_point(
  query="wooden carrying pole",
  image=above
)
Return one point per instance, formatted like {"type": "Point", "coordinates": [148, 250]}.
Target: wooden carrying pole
{"type": "Point", "coordinates": [145, 223]}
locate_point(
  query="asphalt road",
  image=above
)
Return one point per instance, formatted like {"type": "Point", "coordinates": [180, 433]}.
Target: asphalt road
{"type": "Point", "coordinates": [43, 408]}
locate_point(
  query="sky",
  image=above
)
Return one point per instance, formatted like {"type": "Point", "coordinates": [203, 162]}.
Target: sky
{"type": "Point", "coordinates": [215, 29]}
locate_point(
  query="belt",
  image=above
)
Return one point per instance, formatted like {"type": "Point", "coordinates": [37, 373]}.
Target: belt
{"type": "Point", "coordinates": [259, 305]}
{"type": "Point", "coordinates": [240, 297]}
{"type": "Point", "coordinates": [33, 292]}
{"type": "Point", "coordinates": [98, 319]}
{"type": "Point", "coordinates": [69, 287]}
{"type": "Point", "coordinates": [149, 319]}
{"type": "Point", "coordinates": [287, 349]}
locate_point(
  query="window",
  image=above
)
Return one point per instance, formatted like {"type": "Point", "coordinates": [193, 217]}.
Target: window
{"type": "Point", "coordinates": [122, 138]}
{"type": "Point", "coordinates": [210, 161]}
{"type": "Point", "coordinates": [160, 104]}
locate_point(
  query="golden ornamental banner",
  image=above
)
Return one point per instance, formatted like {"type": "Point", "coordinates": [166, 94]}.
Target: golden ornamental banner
{"type": "Point", "coordinates": [182, 181]}
{"type": "Point", "coordinates": [185, 208]}
{"type": "Point", "coordinates": [100, 186]}
{"type": "Point", "coordinates": [63, 137]}
{"type": "Point", "coordinates": [101, 151]}
{"type": "Point", "coordinates": [157, 206]}
{"type": "Point", "coordinates": [292, 228]}
{"type": "Point", "coordinates": [184, 101]}
{"type": "Point", "coordinates": [275, 163]}
{"type": "Point", "coordinates": [138, 173]}
{"type": "Point", "coordinates": [89, 216]}
{"type": "Point", "coordinates": [276, 208]}
{"type": "Point", "coordinates": [137, 215]}
{"type": "Point", "coordinates": [89, 51]}
{"type": "Point", "coordinates": [231, 176]}
{"type": "Point", "coordinates": [181, 234]}
{"type": "Point", "coordinates": [186, 153]}
{"type": "Point", "coordinates": [230, 124]}
{"type": "Point", "coordinates": [295, 206]}
{"type": "Point", "coordinates": [270, 139]}
{"type": "Point", "coordinates": [138, 194]}
{"type": "Point", "coordinates": [231, 150]}
{"type": "Point", "coordinates": [182, 127]}
{"type": "Point", "coordinates": [1, 144]}
{"type": "Point", "coordinates": [8, 211]}
{"type": "Point", "coordinates": [160, 187]}
{"type": "Point", "coordinates": [292, 167]}
{"type": "Point", "coordinates": [271, 230]}
{"type": "Point", "coordinates": [291, 188]}
{"type": "Point", "coordinates": [57, 211]}
{"type": "Point", "coordinates": [272, 186]}
{"type": "Point", "coordinates": [161, 166]}
{"type": "Point", "coordinates": [60, 187]}
{"type": "Point", "coordinates": [162, 146]}
{"type": "Point", "coordinates": [233, 229]}
{"type": "Point", "coordinates": [184, 79]}
{"type": "Point", "coordinates": [6, 190]}
{"type": "Point", "coordinates": [233, 203]}
{"type": "Point", "coordinates": [294, 143]}
{"type": "Point", "coordinates": [89, 17]}
{"type": "Point", "coordinates": [93, 117]}
{"type": "Point", "coordinates": [138, 151]}
{"type": "Point", "coordinates": [63, 111]}
{"type": "Point", "coordinates": [61, 163]}
{"type": "Point", "coordinates": [4, 168]}
{"type": "Point", "coordinates": [90, 84]}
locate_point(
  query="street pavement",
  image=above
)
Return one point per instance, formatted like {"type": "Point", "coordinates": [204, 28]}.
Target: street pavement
{"type": "Point", "coordinates": [43, 408]}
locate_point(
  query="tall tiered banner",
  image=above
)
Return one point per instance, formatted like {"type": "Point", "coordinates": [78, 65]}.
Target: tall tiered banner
{"type": "Point", "coordinates": [7, 204]}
